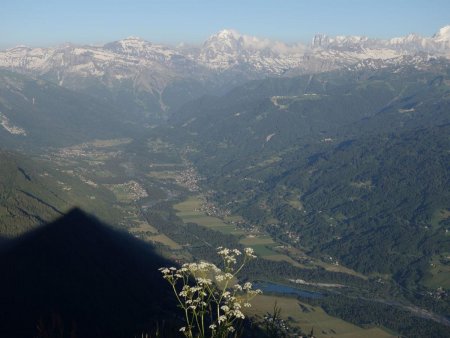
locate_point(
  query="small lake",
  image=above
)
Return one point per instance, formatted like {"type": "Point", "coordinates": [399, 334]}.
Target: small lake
{"type": "Point", "coordinates": [286, 290]}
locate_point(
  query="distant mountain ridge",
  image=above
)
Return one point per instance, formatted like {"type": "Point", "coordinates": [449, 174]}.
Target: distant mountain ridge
{"type": "Point", "coordinates": [225, 58]}
{"type": "Point", "coordinates": [221, 51]}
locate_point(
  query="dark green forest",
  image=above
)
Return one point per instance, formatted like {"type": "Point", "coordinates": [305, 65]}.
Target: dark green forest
{"type": "Point", "coordinates": [365, 154]}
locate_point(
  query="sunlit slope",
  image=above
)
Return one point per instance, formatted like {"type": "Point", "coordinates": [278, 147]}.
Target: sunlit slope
{"type": "Point", "coordinates": [32, 192]}
{"type": "Point", "coordinates": [37, 113]}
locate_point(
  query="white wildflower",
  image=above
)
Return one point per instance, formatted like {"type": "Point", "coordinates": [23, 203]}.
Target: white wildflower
{"type": "Point", "coordinates": [247, 286]}
{"type": "Point", "coordinates": [230, 259]}
{"type": "Point", "coordinates": [238, 314]}
{"type": "Point", "coordinates": [223, 252]}
{"type": "Point", "coordinates": [205, 287]}
{"type": "Point", "coordinates": [221, 319]}
{"type": "Point", "coordinates": [164, 270]}
{"type": "Point", "coordinates": [215, 269]}
{"type": "Point", "coordinates": [228, 276]}
{"type": "Point", "coordinates": [205, 281]}
{"type": "Point", "coordinates": [249, 252]}
{"type": "Point", "coordinates": [236, 252]}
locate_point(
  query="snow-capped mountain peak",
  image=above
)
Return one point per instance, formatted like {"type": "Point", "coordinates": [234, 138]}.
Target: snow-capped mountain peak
{"type": "Point", "coordinates": [226, 40]}
{"type": "Point", "coordinates": [229, 49]}
{"type": "Point", "coordinates": [133, 42]}
{"type": "Point", "coordinates": [231, 38]}
{"type": "Point", "coordinates": [227, 34]}
{"type": "Point", "coordinates": [139, 48]}
{"type": "Point", "coordinates": [443, 35]}
{"type": "Point", "coordinates": [129, 45]}
{"type": "Point", "coordinates": [19, 47]}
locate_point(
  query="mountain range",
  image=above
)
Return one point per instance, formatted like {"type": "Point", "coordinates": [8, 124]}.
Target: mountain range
{"type": "Point", "coordinates": [157, 78]}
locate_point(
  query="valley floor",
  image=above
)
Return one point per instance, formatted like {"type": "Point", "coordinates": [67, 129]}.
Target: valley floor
{"type": "Point", "coordinates": [158, 193]}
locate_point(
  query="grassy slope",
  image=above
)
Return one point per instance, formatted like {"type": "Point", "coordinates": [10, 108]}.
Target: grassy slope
{"type": "Point", "coordinates": [32, 192]}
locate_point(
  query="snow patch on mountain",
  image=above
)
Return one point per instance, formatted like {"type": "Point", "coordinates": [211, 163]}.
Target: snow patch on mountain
{"type": "Point", "coordinates": [11, 128]}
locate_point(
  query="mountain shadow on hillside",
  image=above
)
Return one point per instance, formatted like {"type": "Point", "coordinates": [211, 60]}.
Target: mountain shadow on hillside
{"type": "Point", "coordinates": [77, 277]}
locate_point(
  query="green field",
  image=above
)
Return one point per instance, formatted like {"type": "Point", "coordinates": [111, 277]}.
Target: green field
{"type": "Point", "coordinates": [293, 198]}
{"type": "Point", "coordinates": [104, 174]}
{"type": "Point", "coordinates": [439, 272]}
{"type": "Point", "coordinates": [264, 245]}
{"type": "Point", "coordinates": [143, 227]}
{"type": "Point", "coordinates": [148, 233]}
{"type": "Point", "coordinates": [309, 317]}
{"type": "Point", "coordinates": [110, 143]}
{"type": "Point", "coordinates": [438, 216]}
{"type": "Point", "coordinates": [295, 203]}
{"type": "Point", "coordinates": [127, 192]}
{"type": "Point", "coordinates": [163, 239]}
{"type": "Point", "coordinates": [163, 175]}
{"type": "Point", "coordinates": [189, 211]}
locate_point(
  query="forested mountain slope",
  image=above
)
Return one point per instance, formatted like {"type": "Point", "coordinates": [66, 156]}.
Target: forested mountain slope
{"type": "Point", "coordinates": [38, 114]}
{"type": "Point", "coordinates": [32, 193]}
{"type": "Point", "coordinates": [356, 164]}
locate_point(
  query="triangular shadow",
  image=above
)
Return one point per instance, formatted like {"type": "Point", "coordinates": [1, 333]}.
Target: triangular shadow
{"type": "Point", "coordinates": [83, 279]}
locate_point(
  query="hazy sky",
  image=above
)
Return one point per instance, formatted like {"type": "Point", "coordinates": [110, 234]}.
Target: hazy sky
{"type": "Point", "coordinates": [50, 22]}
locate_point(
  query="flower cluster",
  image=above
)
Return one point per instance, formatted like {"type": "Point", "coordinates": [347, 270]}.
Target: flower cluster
{"type": "Point", "coordinates": [210, 295]}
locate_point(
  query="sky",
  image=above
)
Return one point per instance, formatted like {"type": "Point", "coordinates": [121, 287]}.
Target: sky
{"type": "Point", "coordinates": [52, 22]}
